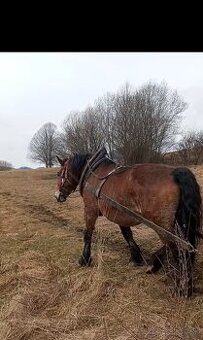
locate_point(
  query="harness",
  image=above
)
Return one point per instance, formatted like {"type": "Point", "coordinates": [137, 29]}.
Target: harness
{"type": "Point", "coordinates": [89, 168]}
{"type": "Point", "coordinates": [92, 164]}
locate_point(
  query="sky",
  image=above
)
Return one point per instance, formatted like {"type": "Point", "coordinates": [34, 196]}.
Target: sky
{"type": "Point", "coordinates": [37, 88]}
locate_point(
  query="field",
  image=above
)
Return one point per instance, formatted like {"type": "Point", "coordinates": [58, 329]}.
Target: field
{"type": "Point", "coordinates": [45, 295]}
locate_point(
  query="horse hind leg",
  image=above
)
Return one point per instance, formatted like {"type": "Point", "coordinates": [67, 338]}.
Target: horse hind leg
{"type": "Point", "coordinates": [135, 252]}
{"type": "Point", "coordinates": [156, 260]}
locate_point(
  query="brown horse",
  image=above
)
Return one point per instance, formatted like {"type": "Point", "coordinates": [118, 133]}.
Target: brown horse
{"type": "Point", "coordinates": [164, 194]}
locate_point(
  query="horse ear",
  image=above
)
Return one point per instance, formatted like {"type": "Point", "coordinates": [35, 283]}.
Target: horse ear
{"type": "Point", "coordinates": [59, 160]}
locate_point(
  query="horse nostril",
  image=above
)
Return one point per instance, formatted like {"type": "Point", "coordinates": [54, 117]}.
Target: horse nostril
{"type": "Point", "coordinates": [59, 196]}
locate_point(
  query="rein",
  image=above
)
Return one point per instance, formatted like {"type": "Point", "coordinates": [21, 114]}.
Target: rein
{"type": "Point", "coordinates": [138, 217]}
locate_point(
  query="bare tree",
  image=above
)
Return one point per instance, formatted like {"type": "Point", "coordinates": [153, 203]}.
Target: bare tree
{"type": "Point", "coordinates": [4, 165]}
{"type": "Point", "coordinates": [45, 144]}
{"type": "Point", "coordinates": [138, 125]}
{"type": "Point", "coordinates": [190, 148]}
{"type": "Point", "coordinates": [105, 108]}
{"type": "Point", "coordinates": [73, 136]}
{"type": "Point", "coordinates": [82, 131]}
{"type": "Point", "coordinates": [146, 122]}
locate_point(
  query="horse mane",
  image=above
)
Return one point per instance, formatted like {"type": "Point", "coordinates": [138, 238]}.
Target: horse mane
{"type": "Point", "coordinates": [78, 161]}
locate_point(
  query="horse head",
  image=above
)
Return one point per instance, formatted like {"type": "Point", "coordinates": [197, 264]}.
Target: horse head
{"type": "Point", "coordinates": [67, 180]}
{"type": "Point", "coordinates": [69, 175]}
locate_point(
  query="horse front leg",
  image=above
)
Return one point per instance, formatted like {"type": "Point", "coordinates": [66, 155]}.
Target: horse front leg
{"type": "Point", "coordinates": [85, 259]}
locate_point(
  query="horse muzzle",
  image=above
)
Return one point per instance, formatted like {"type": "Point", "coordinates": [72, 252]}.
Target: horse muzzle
{"type": "Point", "coordinates": [59, 197]}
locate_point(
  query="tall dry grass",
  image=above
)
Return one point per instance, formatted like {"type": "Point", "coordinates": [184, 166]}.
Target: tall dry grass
{"type": "Point", "coordinates": [49, 304]}
{"type": "Point", "coordinates": [45, 295]}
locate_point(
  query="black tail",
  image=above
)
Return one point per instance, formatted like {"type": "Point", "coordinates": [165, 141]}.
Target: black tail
{"type": "Point", "coordinates": [189, 212]}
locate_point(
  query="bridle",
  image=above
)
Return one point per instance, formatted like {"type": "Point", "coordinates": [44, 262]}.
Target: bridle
{"type": "Point", "coordinates": [66, 176]}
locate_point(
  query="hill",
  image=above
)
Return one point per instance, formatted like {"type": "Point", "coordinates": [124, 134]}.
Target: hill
{"type": "Point", "coordinates": [24, 168]}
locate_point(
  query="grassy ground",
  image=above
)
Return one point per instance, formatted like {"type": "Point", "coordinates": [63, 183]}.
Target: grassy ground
{"type": "Point", "coordinates": [45, 295]}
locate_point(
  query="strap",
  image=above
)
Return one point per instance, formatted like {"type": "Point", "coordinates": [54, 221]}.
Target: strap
{"type": "Point", "coordinates": [104, 179]}
{"type": "Point", "coordinates": [97, 158]}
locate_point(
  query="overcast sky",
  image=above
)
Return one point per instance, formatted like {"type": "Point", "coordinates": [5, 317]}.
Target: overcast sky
{"type": "Point", "coordinates": [36, 88]}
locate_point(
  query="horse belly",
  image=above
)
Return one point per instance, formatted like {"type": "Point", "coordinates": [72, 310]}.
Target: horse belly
{"type": "Point", "coordinates": [116, 216]}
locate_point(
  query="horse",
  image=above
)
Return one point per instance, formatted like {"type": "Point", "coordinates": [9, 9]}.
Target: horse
{"type": "Point", "coordinates": [164, 194]}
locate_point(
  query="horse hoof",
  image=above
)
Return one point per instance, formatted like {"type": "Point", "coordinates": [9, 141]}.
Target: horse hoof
{"type": "Point", "coordinates": [84, 262]}
{"type": "Point", "coordinates": [132, 264]}
{"type": "Point", "coordinates": [150, 269]}
{"type": "Point", "coordinates": [135, 263]}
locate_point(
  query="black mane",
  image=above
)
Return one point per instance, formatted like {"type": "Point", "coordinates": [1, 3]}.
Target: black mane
{"type": "Point", "coordinates": [78, 161]}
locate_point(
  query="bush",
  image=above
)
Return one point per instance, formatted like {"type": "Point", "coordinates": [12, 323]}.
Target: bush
{"type": "Point", "coordinates": [5, 165]}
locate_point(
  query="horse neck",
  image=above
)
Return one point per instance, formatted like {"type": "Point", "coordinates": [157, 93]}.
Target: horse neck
{"type": "Point", "coordinates": [81, 170]}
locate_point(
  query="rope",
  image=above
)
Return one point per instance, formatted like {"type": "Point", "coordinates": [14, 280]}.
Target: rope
{"type": "Point", "coordinates": [139, 218]}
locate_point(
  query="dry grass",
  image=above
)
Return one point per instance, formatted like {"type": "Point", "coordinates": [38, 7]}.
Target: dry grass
{"type": "Point", "coordinates": [45, 295]}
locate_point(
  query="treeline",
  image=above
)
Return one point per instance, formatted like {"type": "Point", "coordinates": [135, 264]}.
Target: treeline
{"type": "Point", "coordinates": [189, 150]}
{"type": "Point", "coordinates": [138, 125]}
{"type": "Point", "coordinates": [4, 165]}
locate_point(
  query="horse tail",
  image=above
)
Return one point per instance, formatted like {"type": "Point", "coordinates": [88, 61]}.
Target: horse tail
{"type": "Point", "coordinates": [188, 224]}
{"type": "Point", "coordinates": [189, 211]}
